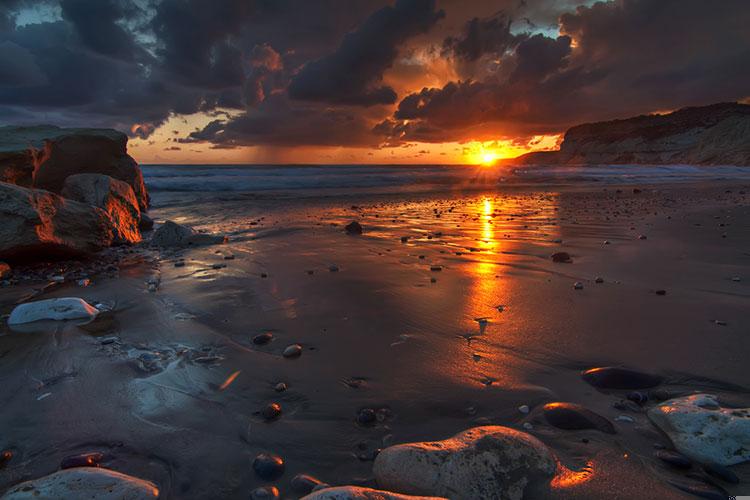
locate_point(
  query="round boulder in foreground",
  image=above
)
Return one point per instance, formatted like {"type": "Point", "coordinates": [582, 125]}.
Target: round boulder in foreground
{"type": "Point", "coordinates": [90, 483]}
{"type": "Point", "coordinates": [483, 462]}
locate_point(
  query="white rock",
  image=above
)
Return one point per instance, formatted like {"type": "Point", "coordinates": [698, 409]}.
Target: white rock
{"type": "Point", "coordinates": [90, 483]}
{"type": "Point", "coordinates": [700, 429]}
{"type": "Point", "coordinates": [358, 493]}
{"type": "Point", "coordinates": [523, 409]}
{"type": "Point", "coordinates": [55, 309]}
{"type": "Point", "coordinates": [483, 462]}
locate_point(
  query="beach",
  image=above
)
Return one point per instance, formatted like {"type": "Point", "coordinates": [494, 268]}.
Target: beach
{"type": "Point", "coordinates": [446, 313]}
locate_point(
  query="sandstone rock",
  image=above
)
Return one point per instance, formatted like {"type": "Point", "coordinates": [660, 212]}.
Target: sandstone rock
{"type": "Point", "coordinates": [484, 462]}
{"type": "Point", "coordinates": [113, 196]}
{"type": "Point", "coordinates": [35, 222]}
{"type": "Point", "coordinates": [170, 235]}
{"type": "Point", "coordinates": [55, 153]}
{"type": "Point", "coordinates": [54, 309]}
{"type": "Point", "coordinates": [90, 483]}
{"type": "Point", "coordinates": [702, 430]}
{"type": "Point", "coordinates": [718, 134]}
{"type": "Point", "coordinates": [358, 493]}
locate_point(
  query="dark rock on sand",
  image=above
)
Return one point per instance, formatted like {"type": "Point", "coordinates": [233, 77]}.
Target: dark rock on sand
{"type": "Point", "coordinates": [674, 459]}
{"type": "Point", "coordinates": [44, 156]}
{"type": "Point", "coordinates": [353, 227]}
{"type": "Point", "coordinates": [304, 483]}
{"type": "Point", "coordinates": [114, 197]}
{"type": "Point", "coordinates": [35, 222]}
{"type": "Point", "coordinates": [265, 493]}
{"type": "Point", "coordinates": [637, 397]}
{"type": "Point", "coordinates": [5, 457]}
{"type": "Point", "coordinates": [570, 416]}
{"type": "Point", "coordinates": [268, 466]}
{"type": "Point", "coordinates": [173, 235]}
{"type": "Point", "coordinates": [92, 459]}
{"type": "Point", "coordinates": [563, 257]}
{"type": "Point", "coordinates": [262, 338]}
{"type": "Point", "coordinates": [614, 377]}
{"type": "Point", "coordinates": [360, 493]}
{"type": "Point", "coordinates": [5, 270]}
{"type": "Point", "coordinates": [366, 416]}
{"type": "Point", "coordinates": [293, 351]}
{"type": "Point", "coordinates": [272, 411]}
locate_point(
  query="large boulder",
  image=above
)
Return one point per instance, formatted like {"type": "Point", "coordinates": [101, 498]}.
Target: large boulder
{"type": "Point", "coordinates": [91, 483]}
{"type": "Point", "coordinates": [56, 153]}
{"type": "Point", "coordinates": [359, 493]}
{"type": "Point", "coordinates": [39, 223]}
{"type": "Point", "coordinates": [484, 462]}
{"type": "Point", "coordinates": [114, 197]}
{"type": "Point", "coordinates": [173, 235]}
{"type": "Point", "coordinates": [704, 431]}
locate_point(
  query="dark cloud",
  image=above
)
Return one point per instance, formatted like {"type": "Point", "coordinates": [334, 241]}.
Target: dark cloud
{"type": "Point", "coordinates": [353, 73]}
{"type": "Point", "coordinates": [614, 59]}
{"type": "Point", "coordinates": [96, 25]}
{"type": "Point", "coordinates": [481, 36]}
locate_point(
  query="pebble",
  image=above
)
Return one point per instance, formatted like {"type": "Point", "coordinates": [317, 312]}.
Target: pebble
{"type": "Point", "coordinates": [571, 416]}
{"type": "Point", "coordinates": [179, 263]}
{"type": "Point", "coordinates": [92, 459]}
{"type": "Point", "coordinates": [578, 285]}
{"type": "Point", "coordinates": [637, 397]}
{"type": "Point", "coordinates": [293, 351]}
{"type": "Point", "coordinates": [436, 268]}
{"type": "Point", "coordinates": [280, 387]}
{"type": "Point", "coordinates": [272, 411]}
{"type": "Point", "coordinates": [5, 457]}
{"type": "Point", "coordinates": [304, 483]}
{"type": "Point", "coordinates": [265, 493]}
{"type": "Point", "coordinates": [624, 418]}
{"type": "Point", "coordinates": [599, 279]}
{"type": "Point", "coordinates": [642, 237]}
{"type": "Point", "coordinates": [523, 409]}
{"type": "Point", "coordinates": [660, 292]}
{"type": "Point", "coordinates": [528, 426]}
{"type": "Point", "coordinates": [614, 377]}
{"type": "Point", "coordinates": [674, 459]}
{"type": "Point", "coordinates": [353, 227]}
{"type": "Point", "coordinates": [333, 268]}
{"type": "Point", "coordinates": [268, 466]}
{"type": "Point", "coordinates": [563, 257]}
{"type": "Point", "coordinates": [262, 338]}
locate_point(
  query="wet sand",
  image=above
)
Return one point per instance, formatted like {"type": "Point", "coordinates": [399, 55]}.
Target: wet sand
{"type": "Point", "coordinates": [170, 387]}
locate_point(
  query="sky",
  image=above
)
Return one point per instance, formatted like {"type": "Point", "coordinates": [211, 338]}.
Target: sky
{"type": "Point", "coordinates": [361, 81]}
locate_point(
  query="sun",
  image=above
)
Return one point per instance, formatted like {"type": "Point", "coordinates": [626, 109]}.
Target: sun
{"type": "Point", "coordinates": [488, 158]}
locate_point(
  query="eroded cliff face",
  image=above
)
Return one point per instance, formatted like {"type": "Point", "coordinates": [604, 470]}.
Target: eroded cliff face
{"type": "Point", "coordinates": [718, 134]}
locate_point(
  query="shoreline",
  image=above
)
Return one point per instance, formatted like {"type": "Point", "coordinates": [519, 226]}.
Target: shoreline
{"type": "Point", "coordinates": [377, 333]}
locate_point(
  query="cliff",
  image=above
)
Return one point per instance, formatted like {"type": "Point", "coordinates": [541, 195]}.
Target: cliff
{"type": "Point", "coordinates": [718, 134]}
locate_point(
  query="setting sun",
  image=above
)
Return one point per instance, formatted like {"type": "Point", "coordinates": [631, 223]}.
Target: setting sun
{"type": "Point", "coordinates": [488, 158]}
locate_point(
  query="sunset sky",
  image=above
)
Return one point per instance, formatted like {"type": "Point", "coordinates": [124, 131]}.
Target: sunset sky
{"type": "Point", "coordinates": [361, 81]}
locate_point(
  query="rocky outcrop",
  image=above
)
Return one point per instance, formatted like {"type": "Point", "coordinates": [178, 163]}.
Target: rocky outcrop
{"type": "Point", "coordinates": [114, 197]}
{"type": "Point", "coordinates": [36, 223]}
{"type": "Point", "coordinates": [44, 156]}
{"type": "Point", "coordinates": [704, 431]}
{"type": "Point", "coordinates": [484, 462]}
{"type": "Point", "coordinates": [718, 134]}
{"type": "Point", "coordinates": [91, 483]}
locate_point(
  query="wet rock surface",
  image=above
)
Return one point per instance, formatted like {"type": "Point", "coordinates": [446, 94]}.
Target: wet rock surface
{"type": "Point", "coordinates": [570, 416]}
{"type": "Point", "coordinates": [360, 493]}
{"type": "Point", "coordinates": [173, 235]}
{"type": "Point", "coordinates": [84, 482]}
{"type": "Point", "coordinates": [614, 377]}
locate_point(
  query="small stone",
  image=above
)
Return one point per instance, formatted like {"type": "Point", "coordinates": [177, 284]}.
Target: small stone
{"type": "Point", "coordinates": [265, 493]}
{"type": "Point", "coordinates": [84, 282]}
{"type": "Point", "coordinates": [607, 242]}
{"type": "Point", "coordinates": [642, 237]}
{"type": "Point", "coordinates": [280, 387]}
{"type": "Point", "coordinates": [660, 292]}
{"type": "Point", "coordinates": [404, 239]}
{"type": "Point", "coordinates": [333, 268]}
{"type": "Point", "coordinates": [720, 322]}
{"type": "Point", "coordinates": [293, 351]}
{"type": "Point", "coordinates": [268, 466]}
{"type": "Point", "coordinates": [578, 285]}
{"type": "Point", "coordinates": [614, 377]}
{"type": "Point", "coordinates": [528, 426]}
{"type": "Point", "coordinates": [262, 338]}
{"type": "Point", "coordinates": [561, 257]}
{"type": "Point", "coordinates": [272, 411]}
{"type": "Point", "coordinates": [83, 460]}
{"type": "Point", "coordinates": [353, 227]}
{"type": "Point", "coordinates": [523, 409]}
{"type": "Point", "coordinates": [433, 280]}
{"type": "Point", "coordinates": [218, 266]}
{"type": "Point", "coordinates": [179, 263]}
{"type": "Point", "coordinates": [436, 268]}
{"type": "Point", "coordinates": [637, 397]}
{"type": "Point", "coordinates": [599, 279]}
{"type": "Point", "coordinates": [5, 457]}
{"type": "Point", "coordinates": [624, 418]}
{"type": "Point", "coordinates": [366, 416]}
{"type": "Point", "coordinates": [571, 416]}
{"type": "Point", "coordinates": [736, 279]}
{"type": "Point", "coordinates": [674, 459]}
